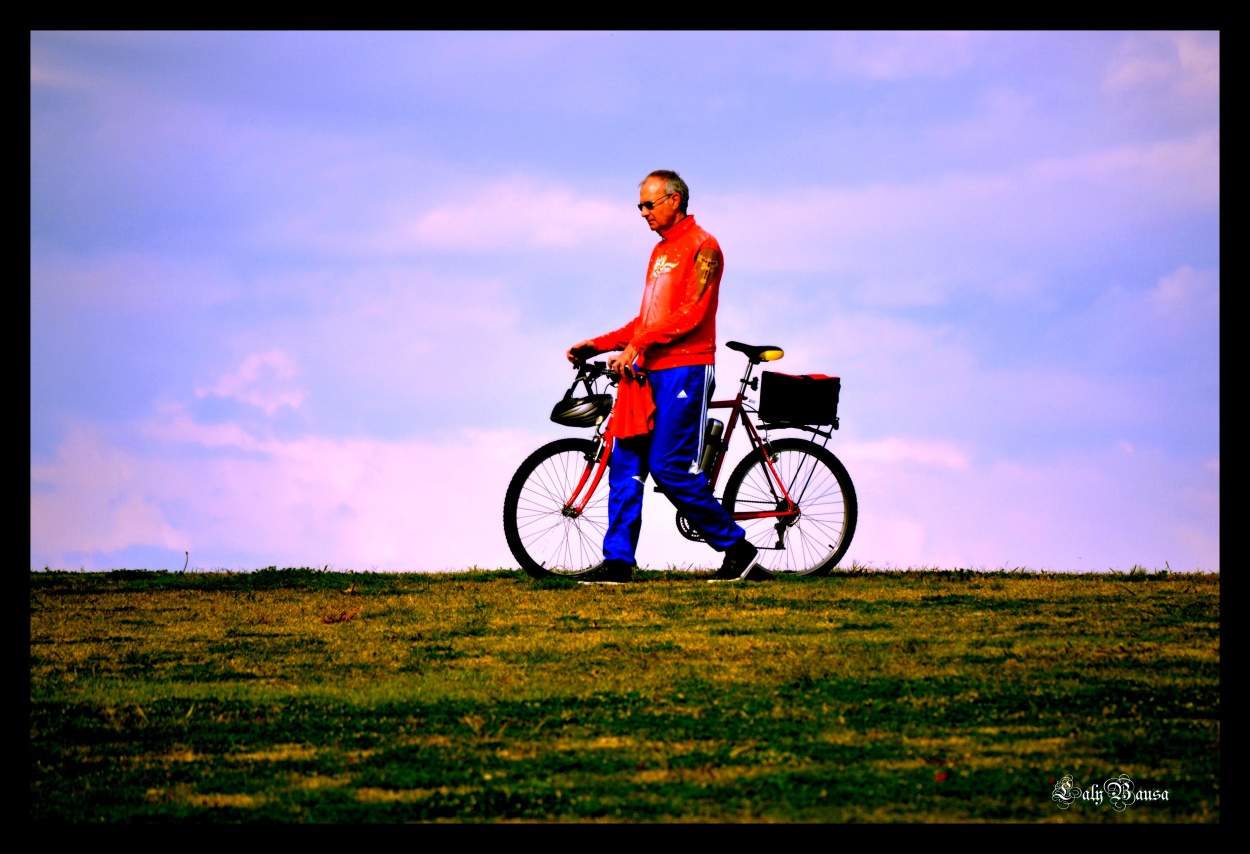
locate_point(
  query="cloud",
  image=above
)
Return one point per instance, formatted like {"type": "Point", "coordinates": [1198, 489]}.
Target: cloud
{"type": "Point", "coordinates": [344, 200]}
{"type": "Point", "coordinates": [219, 490]}
{"type": "Point", "coordinates": [259, 382]}
{"type": "Point", "coordinates": [94, 497]}
{"type": "Point", "coordinates": [971, 227]}
{"type": "Point", "coordinates": [354, 503]}
{"type": "Point", "coordinates": [1124, 367]}
{"type": "Point", "coordinates": [895, 450]}
{"type": "Point", "coordinates": [1071, 511]}
{"type": "Point", "coordinates": [393, 348]}
{"type": "Point", "coordinates": [175, 426]}
{"type": "Point", "coordinates": [1181, 64]}
{"type": "Point", "coordinates": [1182, 174]}
{"type": "Point", "coordinates": [47, 75]}
{"type": "Point", "coordinates": [901, 55]}
{"type": "Point", "coordinates": [1186, 296]}
{"type": "Point", "coordinates": [525, 214]}
{"type": "Point", "coordinates": [325, 255]}
{"type": "Point", "coordinates": [1170, 328]}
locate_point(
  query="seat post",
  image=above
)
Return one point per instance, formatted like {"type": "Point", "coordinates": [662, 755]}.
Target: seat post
{"type": "Point", "coordinates": [746, 377]}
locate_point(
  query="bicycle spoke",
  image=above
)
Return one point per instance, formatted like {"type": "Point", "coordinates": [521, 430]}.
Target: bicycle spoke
{"type": "Point", "coordinates": [816, 482]}
{"type": "Point", "coordinates": [539, 533]}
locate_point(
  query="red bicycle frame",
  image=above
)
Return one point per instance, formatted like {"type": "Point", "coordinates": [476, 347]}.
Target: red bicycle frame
{"type": "Point", "coordinates": [595, 467]}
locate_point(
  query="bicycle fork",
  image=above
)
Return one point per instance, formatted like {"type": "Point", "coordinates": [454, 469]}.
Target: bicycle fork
{"type": "Point", "coordinates": [596, 464]}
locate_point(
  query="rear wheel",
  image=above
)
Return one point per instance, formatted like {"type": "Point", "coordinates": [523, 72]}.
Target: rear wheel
{"type": "Point", "coordinates": [544, 537]}
{"type": "Point", "coordinates": [813, 542]}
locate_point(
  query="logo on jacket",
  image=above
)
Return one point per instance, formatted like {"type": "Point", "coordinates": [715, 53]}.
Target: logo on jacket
{"type": "Point", "coordinates": [661, 266]}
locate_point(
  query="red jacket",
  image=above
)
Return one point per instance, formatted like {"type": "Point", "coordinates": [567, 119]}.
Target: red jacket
{"type": "Point", "coordinates": [677, 323]}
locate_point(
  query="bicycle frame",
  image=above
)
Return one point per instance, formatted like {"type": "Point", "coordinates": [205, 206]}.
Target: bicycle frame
{"type": "Point", "coordinates": [596, 466]}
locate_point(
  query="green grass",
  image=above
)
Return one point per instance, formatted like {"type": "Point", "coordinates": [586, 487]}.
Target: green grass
{"type": "Point", "coordinates": [305, 695]}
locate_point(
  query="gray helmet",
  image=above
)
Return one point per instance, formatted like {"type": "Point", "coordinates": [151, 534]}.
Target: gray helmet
{"type": "Point", "coordinates": [582, 411]}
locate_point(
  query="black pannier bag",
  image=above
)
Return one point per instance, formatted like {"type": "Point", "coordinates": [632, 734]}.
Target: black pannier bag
{"type": "Point", "coordinates": [808, 399]}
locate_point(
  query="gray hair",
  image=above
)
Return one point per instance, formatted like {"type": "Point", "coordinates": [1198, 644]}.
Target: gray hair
{"type": "Point", "coordinates": [672, 184]}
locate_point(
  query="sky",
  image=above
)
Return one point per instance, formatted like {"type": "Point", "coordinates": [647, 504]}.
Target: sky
{"type": "Point", "coordinates": [302, 299]}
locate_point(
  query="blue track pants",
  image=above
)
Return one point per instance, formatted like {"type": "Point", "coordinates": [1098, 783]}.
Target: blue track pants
{"type": "Point", "coordinates": [671, 456]}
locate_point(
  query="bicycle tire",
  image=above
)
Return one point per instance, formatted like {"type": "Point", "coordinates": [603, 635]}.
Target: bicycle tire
{"type": "Point", "coordinates": [544, 541]}
{"type": "Point", "coordinates": [821, 486]}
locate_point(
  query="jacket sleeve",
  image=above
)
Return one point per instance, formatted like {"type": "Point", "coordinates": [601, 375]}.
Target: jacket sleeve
{"type": "Point", "coordinates": [616, 339]}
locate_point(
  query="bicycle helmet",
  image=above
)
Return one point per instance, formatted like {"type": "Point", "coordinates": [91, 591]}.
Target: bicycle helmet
{"type": "Point", "coordinates": [582, 411]}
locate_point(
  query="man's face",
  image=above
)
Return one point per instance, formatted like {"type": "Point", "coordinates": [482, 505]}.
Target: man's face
{"type": "Point", "coordinates": [663, 214]}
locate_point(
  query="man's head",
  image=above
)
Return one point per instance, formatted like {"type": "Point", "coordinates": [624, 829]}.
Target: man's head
{"type": "Point", "coordinates": [662, 199]}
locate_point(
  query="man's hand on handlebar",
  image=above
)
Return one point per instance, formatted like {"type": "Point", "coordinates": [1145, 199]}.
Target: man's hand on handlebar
{"type": "Point", "coordinates": [623, 362]}
{"type": "Point", "coordinates": [582, 351]}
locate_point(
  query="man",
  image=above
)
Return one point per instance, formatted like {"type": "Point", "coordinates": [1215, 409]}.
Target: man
{"type": "Point", "coordinates": [672, 343]}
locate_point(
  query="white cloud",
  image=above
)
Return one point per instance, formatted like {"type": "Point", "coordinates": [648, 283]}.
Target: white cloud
{"type": "Point", "coordinates": [423, 281]}
{"type": "Point", "coordinates": [1182, 64]}
{"type": "Point", "coordinates": [895, 450]}
{"type": "Point", "coordinates": [260, 382]}
{"type": "Point", "coordinates": [1171, 325]}
{"type": "Point", "coordinates": [1182, 173]}
{"type": "Point", "coordinates": [1186, 296]}
{"type": "Point", "coordinates": [355, 503]}
{"type": "Point", "coordinates": [906, 231]}
{"type": "Point", "coordinates": [1089, 512]}
{"type": "Point", "coordinates": [355, 202]}
{"type": "Point", "coordinates": [523, 213]}
{"type": "Point", "coordinates": [45, 74]}
{"type": "Point", "coordinates": [94, 497]}
{"type": "Point", "coordinates": [175, 426]}
{"type": "Point", "coordinates": [1122, 368]}
{"type": "Point", "coordinates": [392, 334]}
{"type": "Point", "coordinates": [419, 505]}
{"type": "Point", "coordinates": [901, 55]}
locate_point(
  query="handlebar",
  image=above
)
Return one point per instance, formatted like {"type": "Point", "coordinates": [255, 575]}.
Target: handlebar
{"type": "Point", "coordinates": [591, 371]}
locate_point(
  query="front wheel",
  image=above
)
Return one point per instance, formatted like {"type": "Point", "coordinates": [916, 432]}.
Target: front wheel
{"type": "Point", "coordinates": [544, 538]}
{"type": "Point", "coordinates": [813, 542]}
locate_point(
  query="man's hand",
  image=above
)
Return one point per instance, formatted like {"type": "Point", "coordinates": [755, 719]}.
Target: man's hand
{"type": "Point", "coordinates": [582, 351]}
{"type": "Point", "coordinates": [623, 362]}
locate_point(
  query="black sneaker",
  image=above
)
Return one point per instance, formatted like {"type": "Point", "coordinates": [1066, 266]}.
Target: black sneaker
{"type": "Point", "coordinates": [741, 563]}
{"type": "Point", "coordinates": [609, 572]}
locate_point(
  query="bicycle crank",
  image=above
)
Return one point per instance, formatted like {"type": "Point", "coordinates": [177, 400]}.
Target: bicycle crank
{"type": "Point", "coordinates": [687, 529]}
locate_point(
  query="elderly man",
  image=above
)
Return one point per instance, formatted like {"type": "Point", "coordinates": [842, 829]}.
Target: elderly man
{"type": "Point", "coordinates": [672, 343]}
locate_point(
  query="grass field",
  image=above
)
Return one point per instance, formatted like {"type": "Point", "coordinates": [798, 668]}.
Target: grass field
{"type": "Point", "coordinates": [924, 696]}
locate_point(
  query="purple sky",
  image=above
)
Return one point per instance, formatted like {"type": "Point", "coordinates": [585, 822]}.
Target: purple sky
{"type": "Point", "coordinates": [302, 298]}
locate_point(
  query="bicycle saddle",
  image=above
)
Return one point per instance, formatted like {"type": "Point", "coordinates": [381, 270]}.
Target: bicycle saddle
{"type": "Point", "coordinates": [757, 354]}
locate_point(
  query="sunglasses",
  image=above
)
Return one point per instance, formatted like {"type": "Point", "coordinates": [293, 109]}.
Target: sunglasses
{"type": "Point", "coordinates": [647, 206]}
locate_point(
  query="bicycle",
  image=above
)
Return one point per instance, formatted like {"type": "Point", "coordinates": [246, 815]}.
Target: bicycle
{"type": "Point", "coordinates": [793, 497]}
